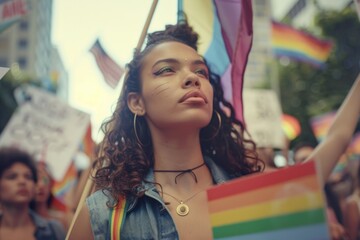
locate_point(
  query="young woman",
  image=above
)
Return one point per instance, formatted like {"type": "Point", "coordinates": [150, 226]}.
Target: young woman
{"type": "Point", "coordinates": [43, 198]}
{"type": "Point", "coordinates": [18, 177]}
{"type": "Point", "coordinates": [170, 139]}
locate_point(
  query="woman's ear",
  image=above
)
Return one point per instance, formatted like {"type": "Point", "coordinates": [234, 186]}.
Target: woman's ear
{"type": "Point", "coordinates": [136, 103]}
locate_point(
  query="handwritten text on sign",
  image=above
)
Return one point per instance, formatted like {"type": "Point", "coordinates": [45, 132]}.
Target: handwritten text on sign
{"type": "Point", "coordinates": [262, 113]}
{"type": "Point", "coordinates": [48, 129]}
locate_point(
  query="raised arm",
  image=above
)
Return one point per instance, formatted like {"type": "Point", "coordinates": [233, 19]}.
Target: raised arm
{"type": "Point", "coordinates": [328, 152]}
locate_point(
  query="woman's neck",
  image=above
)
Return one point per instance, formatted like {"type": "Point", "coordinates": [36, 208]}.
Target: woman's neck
{"type": "Point", "coordinates": [179, 152]}
{"type": "Point", "coordinates": [42, 209]}
{"type": "Point", "coordinates": [13, 217]}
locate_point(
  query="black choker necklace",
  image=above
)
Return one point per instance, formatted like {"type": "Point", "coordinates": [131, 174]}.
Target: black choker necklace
{"type": "Point", "coordinates": [181, 172]}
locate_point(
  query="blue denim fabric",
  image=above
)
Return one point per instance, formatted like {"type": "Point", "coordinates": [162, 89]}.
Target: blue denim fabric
{"type": "Point", "coordinates": [146, 217]}
{"type": "Point", "coordinates": [47, 229]}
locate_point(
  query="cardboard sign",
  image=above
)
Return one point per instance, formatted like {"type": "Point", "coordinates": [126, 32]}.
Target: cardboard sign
{"type": "Point", "coordinates": [262, 112]}
{"type": "Point", "coordinates": [3, 71]}
{"type": "Point", "coordinates": [47, 128]}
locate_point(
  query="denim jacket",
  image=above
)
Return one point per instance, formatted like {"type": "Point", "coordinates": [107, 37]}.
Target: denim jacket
{"type": "Point", "coordinates": [46, 229]}
{"type": "Point", "coordinates": [146, 217]}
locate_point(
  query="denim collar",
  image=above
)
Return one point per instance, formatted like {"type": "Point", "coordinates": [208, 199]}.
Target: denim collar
{"type": "Point", "coordinates": [218, 174]}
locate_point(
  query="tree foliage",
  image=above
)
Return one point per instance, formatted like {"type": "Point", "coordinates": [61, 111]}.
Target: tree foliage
{"type": "Point", "coordinates": [305, 91]}
{"type": "Point", "coordinates": [8, 103]}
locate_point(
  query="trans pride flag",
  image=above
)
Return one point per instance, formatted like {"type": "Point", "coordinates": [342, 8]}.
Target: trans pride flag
{"type": "Point", "coordinates": [290, 42]}
{"type": "Point", "coordinates": [284, 204]}
{"type": "Point", "coordinates": [225, 29]}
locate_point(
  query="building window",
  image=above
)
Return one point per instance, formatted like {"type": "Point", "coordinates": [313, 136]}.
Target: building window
{"type": "Point", "coordinates": [22, 62]}
{"type": "Point", "coordinates": [22, 43]}
{"type": "Point", "coordinates": [23, 25]}
{"type": "Point", "coordinates": [3, 62]}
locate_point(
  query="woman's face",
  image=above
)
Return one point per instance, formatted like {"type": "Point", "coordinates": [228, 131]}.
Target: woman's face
{"type": "Point", "coordinates": [43, 186]}
{"type": "Point", "coordinates": [17, 185]}
{"type": "Point", "coordinates": [176, 89]}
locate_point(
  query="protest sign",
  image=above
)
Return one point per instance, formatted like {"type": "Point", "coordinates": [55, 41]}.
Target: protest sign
{"type": "Point", "coordinates": [263, 117]}
{"type": "Point", "coordinates": [3, 71]}
{"type": "Point", "coordinates": [47, 128]}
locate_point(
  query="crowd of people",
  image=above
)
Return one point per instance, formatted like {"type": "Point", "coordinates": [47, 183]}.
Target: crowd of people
{"type": "Point", "coordinates": [172, 136]}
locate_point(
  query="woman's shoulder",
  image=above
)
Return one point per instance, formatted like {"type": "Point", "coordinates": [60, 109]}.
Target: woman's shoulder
{"type": "Point", "coordinates": [48, 227]}
{"type": "Point", "coordinates": [100, 197]}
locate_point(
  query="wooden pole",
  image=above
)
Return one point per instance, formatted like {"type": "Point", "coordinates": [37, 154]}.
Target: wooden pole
{"type": "Point", "coordinates": [146, 26]}
{"type": "Point", "coordinates": [90, 183]}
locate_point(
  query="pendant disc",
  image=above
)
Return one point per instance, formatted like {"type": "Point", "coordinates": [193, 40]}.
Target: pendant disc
{"type": "Point", "coordinates": [182, 209]}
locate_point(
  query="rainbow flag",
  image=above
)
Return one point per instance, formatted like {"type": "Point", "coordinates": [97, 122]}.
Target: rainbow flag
{"type": "Point", "coordinates": [290, 126]}
{"type": "Point", "coordinates": [298, 45]}
{"type": "Point", "coordinates": [60, 189]}
{"type": "Point", "coordinates": [320, 124]}
{"type": "Point", "coordinates": [225, 29]}
{"type": "Point", "coordinates": [285, 204]}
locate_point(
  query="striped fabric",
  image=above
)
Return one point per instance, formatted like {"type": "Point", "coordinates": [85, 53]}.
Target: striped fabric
{"type": "Point", "coordinates": [110, 70]}
{"type": "Point", "coordinates": [285, 204]}
{"type": "Point", "coordinates": [225, 30]}
{"type": "Point", "coordinates": [290, 42]}
{"type": "Point", "coordinates": [117, 216]}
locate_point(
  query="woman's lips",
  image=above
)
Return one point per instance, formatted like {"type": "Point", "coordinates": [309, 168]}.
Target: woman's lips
{"type": "Point", "coordinates": [194, 97]}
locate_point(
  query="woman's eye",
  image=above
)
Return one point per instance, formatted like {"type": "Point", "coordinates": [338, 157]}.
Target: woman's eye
{"type": "Point", "coordinates": [10, 176]}
{"type": "Point", "coordinates": [29, 176]}
{"type": "Point", "coordinates": [163, 70]}
{"type": "Point", "coordinates": [203, 72]}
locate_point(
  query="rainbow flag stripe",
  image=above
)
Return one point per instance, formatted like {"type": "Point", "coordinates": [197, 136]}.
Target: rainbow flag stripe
{"type": "Point", "coordinates": [298, 45]}
{"type": "Point", "coordinates": [117, 216]}
{"type": "Point", "coordinates": [321, 124]}
{"type": "Point", "coordinates": [271, 205]}
{"type": "Point", "coordinates": [291, 126]}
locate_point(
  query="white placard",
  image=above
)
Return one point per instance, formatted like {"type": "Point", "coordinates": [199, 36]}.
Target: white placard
{"type": "Point", "coordinates": [47, 128]}
{"type": "Point", "coordinates": [262, 113]}
{"type": "Point", "coordinates": [357, 6]}
{"type": "Point", "coordinates": [3, 71]}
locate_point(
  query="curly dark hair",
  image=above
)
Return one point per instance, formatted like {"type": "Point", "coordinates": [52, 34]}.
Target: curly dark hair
{"type": "Point", "coordinates": [11, 155]}
{"type": "Point", "coordinates": [123, 162]}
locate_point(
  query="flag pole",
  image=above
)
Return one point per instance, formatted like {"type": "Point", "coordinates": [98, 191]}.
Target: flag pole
{"type": "Point", "coordinates": [88, 188]}
{"type": "Point", "coordinates": [146, 26]}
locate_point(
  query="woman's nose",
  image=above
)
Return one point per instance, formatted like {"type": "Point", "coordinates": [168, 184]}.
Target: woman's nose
{"type": "Point", "coordinates": [192, 80]}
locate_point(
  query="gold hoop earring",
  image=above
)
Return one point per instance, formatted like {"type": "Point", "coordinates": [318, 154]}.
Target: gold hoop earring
{"type": "Point", "coordinates": [218, 128]}
{"type": "Point", "coordinates": [135, 131]}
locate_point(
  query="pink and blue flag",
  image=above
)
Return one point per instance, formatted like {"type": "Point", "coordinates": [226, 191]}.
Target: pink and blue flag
{"type": "Point", "coordinates": [225, 29]}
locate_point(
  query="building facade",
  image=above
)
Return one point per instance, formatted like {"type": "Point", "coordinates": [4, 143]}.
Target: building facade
{"type": "Point", "coordinates": [26, 45]}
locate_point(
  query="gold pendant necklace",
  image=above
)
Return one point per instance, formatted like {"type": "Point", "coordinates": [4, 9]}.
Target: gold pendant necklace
{"type": "Point", "coordinates": [182, 209]}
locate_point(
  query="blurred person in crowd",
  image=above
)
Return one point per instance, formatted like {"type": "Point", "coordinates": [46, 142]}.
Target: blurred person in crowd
{"type": "Point", "coordinates": [267, 154]}
{"type": "Point", "coordinates": [352, 211]}
{"type": "Point", "coordinates": [302, 151]}
{"type": "Point", "coordinates": [18, 177]}
{"type": "Point", "coordinates": [44, 198]}
{"type": "Point", "coordinates": [170, 139]}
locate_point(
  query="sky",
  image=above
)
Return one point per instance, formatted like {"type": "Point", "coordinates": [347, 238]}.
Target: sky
{"type": "Point", "coordinates": [118, 24]}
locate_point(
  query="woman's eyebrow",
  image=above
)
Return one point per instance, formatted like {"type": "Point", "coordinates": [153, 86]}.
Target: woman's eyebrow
{"type": "Point", "coordinates": [166, 60]}
{"type": "Point", "coordinates": [177, 61]}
